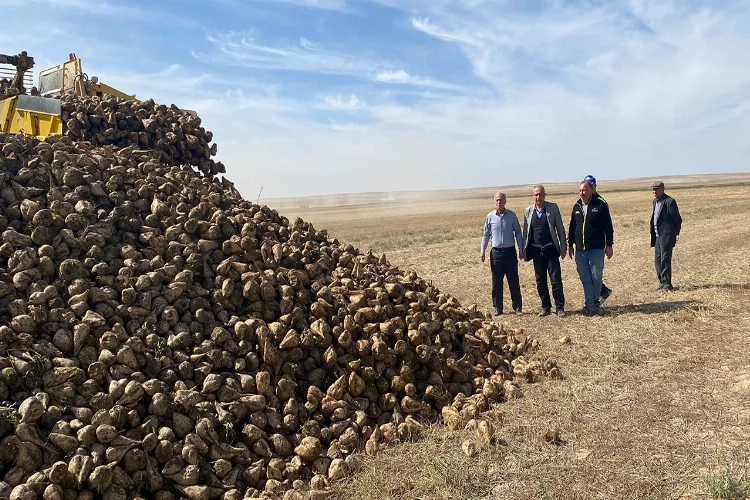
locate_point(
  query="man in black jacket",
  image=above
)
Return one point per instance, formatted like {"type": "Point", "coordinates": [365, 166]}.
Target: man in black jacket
{"type": "Point", "coordinates": [606, 291]}
{"type": "Point", "coordinates": [665, 225]}
{"type": "Point", "coordinates": [592, 234]}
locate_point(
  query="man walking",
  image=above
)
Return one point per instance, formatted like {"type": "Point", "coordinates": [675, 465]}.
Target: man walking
{"type": "Point", "coordinates": [606, 291]}
{"type": "Point", "coordinates": [502, 227]}
{"type": "Point", "coordinates": [544, 234]}
{"type": "Point", "coordinates": [592, 234]}
{"type": "Point", "coordinates": [665, 225]}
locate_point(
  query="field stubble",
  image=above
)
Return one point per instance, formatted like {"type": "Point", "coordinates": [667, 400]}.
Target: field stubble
{"type": "Point", "coordinates": [656, 397]}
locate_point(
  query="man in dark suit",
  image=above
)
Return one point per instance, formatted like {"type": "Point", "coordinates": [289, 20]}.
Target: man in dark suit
{"type": "Point", "coordinates": [544, 237]}
{"type": "Point", "coordinates": [665, 225]}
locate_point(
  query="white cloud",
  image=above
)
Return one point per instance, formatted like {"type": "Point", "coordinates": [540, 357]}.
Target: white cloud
{"type": "Point", "coordinates": [242, 49]}
{"type": "Point", "coordinates": [348, 127]}
{"type": "Point", "coordinates": [337, 102]}
{"type": "Point", "coordinates": [307, 44]}
{"type": "Point", "coordinates": [402, 77]}
{"type": "Point", "coordinates": [399, 76]}
{"type": "Point", "coordinates": [424, 25]}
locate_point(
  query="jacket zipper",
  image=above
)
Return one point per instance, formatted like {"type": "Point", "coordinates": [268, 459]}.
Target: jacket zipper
{"type": "Point", "coordinates": [583, 228]}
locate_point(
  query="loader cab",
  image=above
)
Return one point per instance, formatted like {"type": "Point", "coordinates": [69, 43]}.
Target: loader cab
{"type": "Point", "coordinates": [69, 77]}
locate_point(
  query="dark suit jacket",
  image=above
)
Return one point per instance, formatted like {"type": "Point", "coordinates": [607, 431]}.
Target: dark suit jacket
{"type": "Point", "coordinates": [554, 221]}
{"type": "Point", "coordinates": [669, 222]}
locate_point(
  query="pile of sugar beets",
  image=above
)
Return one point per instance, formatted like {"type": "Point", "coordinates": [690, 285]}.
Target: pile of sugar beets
{"type": "Point", "coordinates": [161, 337]}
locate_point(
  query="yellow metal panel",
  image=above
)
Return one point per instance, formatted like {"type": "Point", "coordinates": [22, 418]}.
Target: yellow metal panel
{"type": "Point", "coordinates": [72, 68]}
{"type": "Point", "coordinates": [6, 113]}
{"type": "Point", "coordinates": [102, 89]}
{"type": "Point", "coordinates": [35, 123]}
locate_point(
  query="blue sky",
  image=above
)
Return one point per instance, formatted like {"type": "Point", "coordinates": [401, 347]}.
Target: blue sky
{"type": "Point", "coordinates": [311, 97]}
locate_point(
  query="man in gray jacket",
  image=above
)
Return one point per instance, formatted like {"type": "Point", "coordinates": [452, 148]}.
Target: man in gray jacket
{"type": "Point", "coordinates": [665, 225]}
{"type": "Point", "coordinates": [544, 237]}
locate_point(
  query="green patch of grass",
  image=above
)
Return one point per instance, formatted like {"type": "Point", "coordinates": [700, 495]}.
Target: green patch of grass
{"type": "Point", "coordinates": [229, 433]}
{"type": "Point", "coordinates": [725, 486]}
{"type": "Point", "coordinates": [9, 415]}
{"type": "Point", "coordinates": [450, 471]}
{"type": "Point", "coordinates": [625, 356]}
{"type": "Point", "coordinates": [160, 348]}
{"type": "Point", "coordinates": [411, 239]}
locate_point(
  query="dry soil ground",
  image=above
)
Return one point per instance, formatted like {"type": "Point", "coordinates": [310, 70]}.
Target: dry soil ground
{"type": "Point", "coordinates": [656, 397]}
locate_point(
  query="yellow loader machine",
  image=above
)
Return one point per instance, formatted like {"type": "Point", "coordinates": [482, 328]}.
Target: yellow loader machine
{"type": "Point", "coordinates": [37, 112]}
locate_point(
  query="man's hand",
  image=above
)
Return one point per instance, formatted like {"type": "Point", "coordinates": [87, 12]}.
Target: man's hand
{"type": "Point", "coordinates": [571, 252]}
{"type": "Point", "coordinates": [520, 254]}
{"type": "Point", "coordinates": [563, 253]}
{"type": "Point", "coordinates": [608, 252]}
{"type": "Point", "coordinates": [482, 257]}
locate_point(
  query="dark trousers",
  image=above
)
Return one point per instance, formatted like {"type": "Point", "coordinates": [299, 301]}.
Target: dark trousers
{"type": "Point", "coordinates": [546, 262]}
{"type": "Point", "coordinates": [663, 262]}
{"type": "Point", "coordinates": [504, 263]}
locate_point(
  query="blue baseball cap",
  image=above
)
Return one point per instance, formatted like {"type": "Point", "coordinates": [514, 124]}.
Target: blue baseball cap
{"type": "Point", "coordinates": [590, 179]}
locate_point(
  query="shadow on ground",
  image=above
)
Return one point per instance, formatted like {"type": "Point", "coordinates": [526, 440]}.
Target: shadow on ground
{"type": "Point", "coordinates": [655, 307]}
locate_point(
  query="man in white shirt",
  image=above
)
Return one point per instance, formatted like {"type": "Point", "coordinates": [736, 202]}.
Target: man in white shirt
{"type": "Point", "coordinates": [501, 227]}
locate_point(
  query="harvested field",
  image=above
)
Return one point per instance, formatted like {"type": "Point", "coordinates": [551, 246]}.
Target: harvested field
{"type": "Point", "coordinates": [656, 397]}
